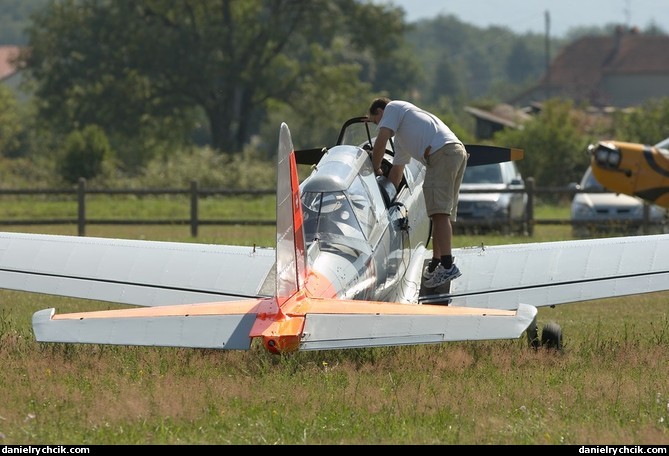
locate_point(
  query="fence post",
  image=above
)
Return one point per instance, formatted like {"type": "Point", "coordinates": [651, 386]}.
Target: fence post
{"type": "Point", "coordinates": [81, 207]}
{"type": "Point", "coordinates": [529, 214]}
{"type": "Point", "coordinates": [193, 208]}
{"type": "Point", "coordinates": [645, 224]}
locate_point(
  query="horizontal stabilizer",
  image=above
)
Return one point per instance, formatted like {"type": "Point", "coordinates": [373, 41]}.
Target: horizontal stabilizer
{"type": "Point", "coordinates": [328, 324]}
{"type": "Point", "coordinates": [310, 156]}
{"type": "Point", "coordinates": [220, 325]}
{"type": "Point", "coordinates": [405, 324]}
{"type": "Point", "coordinates": [480, 154]}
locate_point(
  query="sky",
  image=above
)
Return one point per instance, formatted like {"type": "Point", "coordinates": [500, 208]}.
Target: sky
{"type": "Point", "coordinates": [523, 16]}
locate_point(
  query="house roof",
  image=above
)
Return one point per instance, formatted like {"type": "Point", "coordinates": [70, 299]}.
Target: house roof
{"type": "Point", "coordinates": [501, 114]}
{"type": "Point", "coordinates": [586, 60]}
{"type": "Point", "coordinates": [580, 67]}
{"type": "Point", "coordinates": [7, 54]}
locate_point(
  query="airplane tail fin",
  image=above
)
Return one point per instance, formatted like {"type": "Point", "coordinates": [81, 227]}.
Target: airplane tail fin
{"type": "Point", "coordinates": [291, 262]}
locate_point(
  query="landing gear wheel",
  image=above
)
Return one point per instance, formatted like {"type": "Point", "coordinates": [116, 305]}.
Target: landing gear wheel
{"type": "Point", "coordinates": [551, 336]}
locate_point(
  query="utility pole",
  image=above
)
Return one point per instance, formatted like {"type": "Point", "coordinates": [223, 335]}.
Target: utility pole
{"type": "Point", "coordinates": [547, 86]}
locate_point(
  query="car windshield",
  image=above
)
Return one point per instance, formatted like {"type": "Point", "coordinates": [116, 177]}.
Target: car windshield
{"type": "Point", "coordinates": [589, 181]}
{"type": "Point", "coordinates": [483, 174]}
{"type": "Point", "coordinates": [664, 145]}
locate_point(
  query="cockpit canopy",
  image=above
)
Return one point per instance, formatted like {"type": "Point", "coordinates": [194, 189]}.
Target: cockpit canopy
{"type": "Point", "coordinates": [341, 199]}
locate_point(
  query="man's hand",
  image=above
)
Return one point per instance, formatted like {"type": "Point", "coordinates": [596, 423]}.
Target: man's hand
{"type": "Point", "coordinates": [427, 152]}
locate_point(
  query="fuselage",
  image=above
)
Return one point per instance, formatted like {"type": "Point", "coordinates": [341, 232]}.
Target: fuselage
{"type": "Point", "coordinates": [633, 169]}
{"type": "Point", "coordinates": [362, 244]}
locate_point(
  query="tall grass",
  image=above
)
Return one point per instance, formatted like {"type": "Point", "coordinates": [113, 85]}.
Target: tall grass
{"type": "Point", "coordinates": [608, 386]}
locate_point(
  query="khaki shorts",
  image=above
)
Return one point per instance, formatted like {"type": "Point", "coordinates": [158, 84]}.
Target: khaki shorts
{"type": "Point", "coordinates": [445, 168]}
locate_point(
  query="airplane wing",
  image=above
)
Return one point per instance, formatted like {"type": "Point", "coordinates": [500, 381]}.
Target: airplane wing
{"type": "Point", "coordinates": [143, 273]}
{"type": "Point", "coordinates": [550, 273]}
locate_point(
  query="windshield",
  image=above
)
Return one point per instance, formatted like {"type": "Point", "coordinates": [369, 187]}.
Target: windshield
{"type": "Point", "coordinates": [329, 214]}
{"type": "Point", "coordinates": [483, 174]}
{"type": "Point", "coordinates": [358, 134]}
{"type": "Point", "coordinates": [589, 182]}
{"type": "Point", "coordinates": [664, 145]}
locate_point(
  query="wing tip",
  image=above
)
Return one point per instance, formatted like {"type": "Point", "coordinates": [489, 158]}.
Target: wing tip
{"type": "Point", "coordinates": [41, 318]}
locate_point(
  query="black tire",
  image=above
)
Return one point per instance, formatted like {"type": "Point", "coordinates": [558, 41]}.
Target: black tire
{"type": "Point", "coordinates": [551, 336]}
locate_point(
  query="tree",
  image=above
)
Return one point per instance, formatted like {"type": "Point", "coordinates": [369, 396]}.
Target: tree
{"type": "Point", "coordinates": [10, 123]}
{"type": "Point", "coordinates": [448, 80]}
{"type": "Point", "coordinates": [649, 124]}
{"type": "Point", "coordinates": [136, 67]}
{"type": "Point", "coordinates": [519, 61]}
{"type": "Point", "coordinates": [554, 148]}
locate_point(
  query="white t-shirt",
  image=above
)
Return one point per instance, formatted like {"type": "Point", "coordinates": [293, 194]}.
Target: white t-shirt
{"type": "Point", "coordinates": [414, 130]}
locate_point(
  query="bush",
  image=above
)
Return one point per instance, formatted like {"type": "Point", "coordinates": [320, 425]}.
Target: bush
{"type": "Point", "coordinates": [84, 153]}
{"type": "Point", "coordinates": [211, 169]}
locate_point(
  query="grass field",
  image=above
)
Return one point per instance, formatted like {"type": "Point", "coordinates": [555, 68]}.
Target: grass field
{"type": "Point", "coordinates": [608, 386]}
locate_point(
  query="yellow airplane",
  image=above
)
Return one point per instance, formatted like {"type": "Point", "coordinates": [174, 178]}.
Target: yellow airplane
{"type": "Point", "coordinates": [633, 169]}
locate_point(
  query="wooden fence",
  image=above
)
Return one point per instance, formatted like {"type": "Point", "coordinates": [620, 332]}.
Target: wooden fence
{"type": "Point", "coordinates": [195, 192]}
{"type": "Point", "coordinates": [81, 220]}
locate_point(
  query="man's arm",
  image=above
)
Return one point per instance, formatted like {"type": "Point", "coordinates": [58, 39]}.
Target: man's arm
{"type": "Point", "coordinates": [396, 174]}
{"type": "Point", "coordinates": [380, 147]}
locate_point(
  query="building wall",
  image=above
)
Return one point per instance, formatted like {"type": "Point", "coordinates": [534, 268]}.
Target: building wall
{"type": "Point", "coordinates": [625, 90]}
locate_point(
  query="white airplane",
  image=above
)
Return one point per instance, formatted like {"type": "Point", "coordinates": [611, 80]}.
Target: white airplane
{"type": "Point", "coordinates": [345, 272]}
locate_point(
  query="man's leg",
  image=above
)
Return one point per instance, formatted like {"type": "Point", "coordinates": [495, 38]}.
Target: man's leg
{"type": "Point", "coordinates": [442, 237]}
{"type": "Point", "coordinates": [445, 169]}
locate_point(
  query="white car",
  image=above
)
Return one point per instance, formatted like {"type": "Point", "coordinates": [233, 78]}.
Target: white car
{"type": "Point", "coordinates": [492, 198]}
{"type": "Point", "coordinates": [604, 212]}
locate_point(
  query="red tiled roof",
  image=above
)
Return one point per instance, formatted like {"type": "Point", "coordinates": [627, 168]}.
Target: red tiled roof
{"type": "Point", "coordinates": [7, 54]}
{"type": "Point", "coordinates": [580, 69]}
{"type": "Point", "coordinates": [641, 54]}
{"type": "Point", "coordinates": [585, 61]}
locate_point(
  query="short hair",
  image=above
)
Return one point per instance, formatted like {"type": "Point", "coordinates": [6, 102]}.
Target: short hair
{"type": "Point", "coordinates": [378, 103]}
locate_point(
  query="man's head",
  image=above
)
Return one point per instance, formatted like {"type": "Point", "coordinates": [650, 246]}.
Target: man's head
{"type": "Point", "coordinates": [376, 109]}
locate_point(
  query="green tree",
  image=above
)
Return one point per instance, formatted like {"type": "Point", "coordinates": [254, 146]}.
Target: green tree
{"type": "Point", "coordinates": [448, 80]}
{"type": "Point", "coordinates": [522, 64]}
{"type": "Point", "coordinates": [479, 58]}
{"type": "Point", "coordinates": [135, 67]}
{"type": "Point", "coordinates": [649, 124]}
{"type": "Point", "coordinates": [11, 126]}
